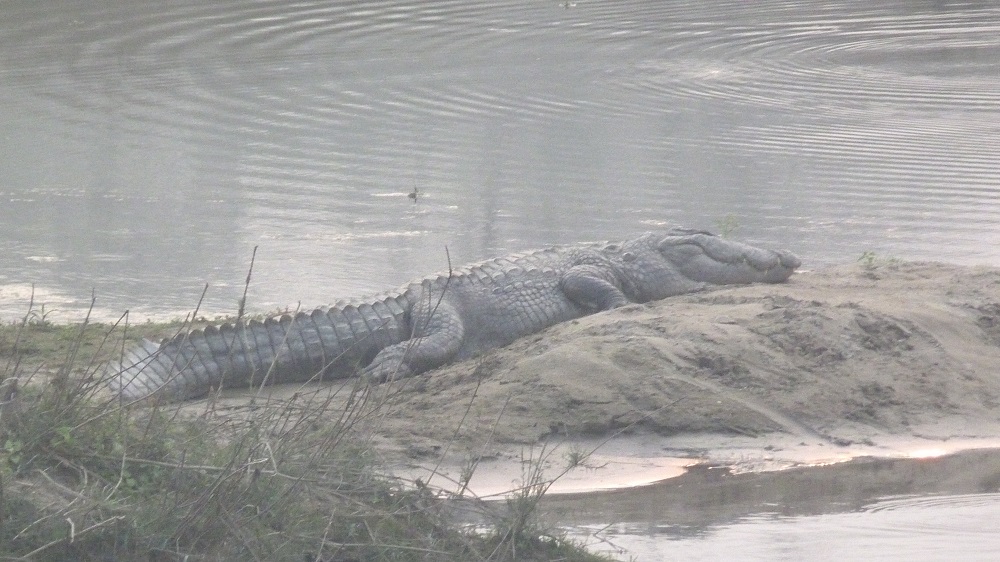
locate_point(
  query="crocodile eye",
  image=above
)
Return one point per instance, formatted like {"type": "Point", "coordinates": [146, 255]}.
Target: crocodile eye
{"type": "Point", "coordinates": [611, 248]}
{"type": "Point", "coordinates": [628, 256]}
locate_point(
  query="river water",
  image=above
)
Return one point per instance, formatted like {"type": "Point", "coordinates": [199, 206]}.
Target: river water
{"type": "Point", "coordinates": [147, 147]}
{"type": "Point", "coordinates": [943, 508]}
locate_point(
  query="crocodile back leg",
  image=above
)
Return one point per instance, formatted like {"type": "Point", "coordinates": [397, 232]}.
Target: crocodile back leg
{"type": "Point", "coordinates": [437, 333]}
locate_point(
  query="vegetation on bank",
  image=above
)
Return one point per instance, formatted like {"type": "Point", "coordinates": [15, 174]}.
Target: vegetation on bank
{"type": "Point", "coordinates": [86, 477]}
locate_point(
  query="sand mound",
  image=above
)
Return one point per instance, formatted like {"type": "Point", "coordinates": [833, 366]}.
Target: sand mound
{"type": "Point", "coordinates": [840, 354]}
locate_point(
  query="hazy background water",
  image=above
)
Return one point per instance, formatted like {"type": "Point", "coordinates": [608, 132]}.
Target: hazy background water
{"type": "Point", "coordinates": [147, 147]}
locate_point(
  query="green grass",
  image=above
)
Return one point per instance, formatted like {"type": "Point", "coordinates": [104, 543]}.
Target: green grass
{"type": "Point", "coordinates": [871, 261]}
{"type": "Point", "coordinates": [85, 477]}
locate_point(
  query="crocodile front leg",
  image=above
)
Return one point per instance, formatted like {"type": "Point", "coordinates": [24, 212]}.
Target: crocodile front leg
{"type": "Point", "coordinates": [437, 333]}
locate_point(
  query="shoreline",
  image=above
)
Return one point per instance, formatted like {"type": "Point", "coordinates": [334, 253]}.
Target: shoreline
{"type": "Point", "coordinates": [862, 360]}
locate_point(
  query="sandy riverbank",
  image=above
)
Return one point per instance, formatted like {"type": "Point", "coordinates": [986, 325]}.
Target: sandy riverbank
{"type": "Point", "coordinates": [888, 359]}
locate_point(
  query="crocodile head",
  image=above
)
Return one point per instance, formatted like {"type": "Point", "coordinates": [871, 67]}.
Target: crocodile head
{"type": "Point", "coordinates": [661, 264]}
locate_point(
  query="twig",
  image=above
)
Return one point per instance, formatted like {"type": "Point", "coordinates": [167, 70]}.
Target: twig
{"type": "Point", "coordinates": [73, 536]}
{"type": "Point", "coordinates": [246, 285]}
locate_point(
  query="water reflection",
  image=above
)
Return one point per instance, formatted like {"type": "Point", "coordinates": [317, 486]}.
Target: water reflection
{"type": "Point", "coordinates": [940, 528]}
{"type": "Point", "coordinates": [885, 507]}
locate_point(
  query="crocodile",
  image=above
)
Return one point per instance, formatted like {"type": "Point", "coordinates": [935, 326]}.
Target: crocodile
{"type": "Point", "coordinates": [442, 318]}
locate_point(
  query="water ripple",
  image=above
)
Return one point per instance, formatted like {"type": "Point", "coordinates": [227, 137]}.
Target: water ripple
{"type": "Point", "coordinates": [536, 119]}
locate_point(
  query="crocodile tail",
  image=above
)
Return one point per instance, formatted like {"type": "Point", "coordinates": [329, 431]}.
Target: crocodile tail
{"type": "Point", "coordinates": [290, 348]}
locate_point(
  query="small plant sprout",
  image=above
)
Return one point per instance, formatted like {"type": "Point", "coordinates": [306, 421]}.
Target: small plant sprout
{"type": "Point", "coordinates": [728, 225]}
